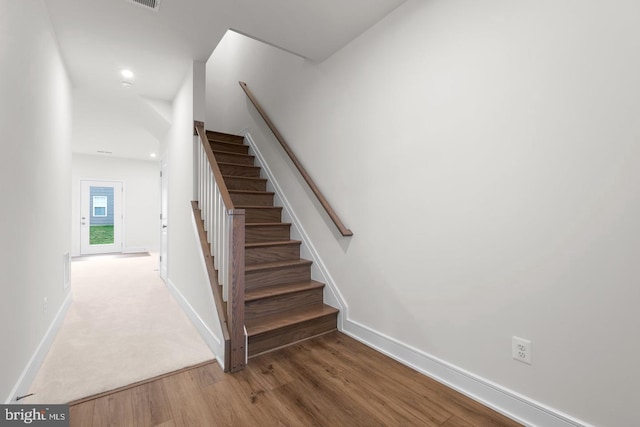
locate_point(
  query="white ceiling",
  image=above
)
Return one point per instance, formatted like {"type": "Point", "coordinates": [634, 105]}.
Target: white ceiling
{"type": "Point", "coordinates": [120, 122]}
{"type": "Point", "coordinates": [100, 37]}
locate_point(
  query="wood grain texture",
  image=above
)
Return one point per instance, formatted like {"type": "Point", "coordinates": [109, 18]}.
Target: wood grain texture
{"type": "Point", "coordinates": [233, 169]}
{"type": "Point", "coordinates": [313, 383]}
{"type": "Point", "coordinates": [230, 157]}
{"type": "Point", "coordinates": [293, 316]}
{"type": "Point", "coordinates": [245, 183]}
{"type": "Point", "coordinates": [310, 324]}
{"type": "Point", "coordinates": [323, 201]}
{"type": "Point", "coordinates": [251, 198]}
{"type": "Point", "coordinates": [267, 232]}
{"type": "Point", "coordinates": [229, 147]}
{"type": "Point", "coordinates": [456, 422]}
{"type": "Point", "coordinates": [220, 136]}
{"type": "Point", "coordinates": [235, 303]}
{"type": "Point", "coordinates": [276, 290]}
{"type": "Point", "coordinates": [82, 414]}
{"type": "Point", "coordinates": [262, 214]}
{"type": "Point", "coordinates": [270, 266]}
{"type": "Point", "coordinates": [275, 303]}
{"type": "Point", "coordinates": [287, 314]}
{"type": "Point", "coordinates": [256, 253]}
{"type": "Point", "coordinates": [274, 273]}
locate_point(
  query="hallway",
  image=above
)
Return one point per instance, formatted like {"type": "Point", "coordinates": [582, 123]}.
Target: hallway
{"type": "Point", "coordinates": [123, 326]}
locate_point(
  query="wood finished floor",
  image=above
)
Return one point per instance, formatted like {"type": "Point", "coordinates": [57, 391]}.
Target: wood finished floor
{"type": "Point", "coordinates": [331, 380]}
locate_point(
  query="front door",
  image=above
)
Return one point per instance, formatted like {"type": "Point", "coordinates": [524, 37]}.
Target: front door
{"type": "Point", "coordinates": [100, 217]}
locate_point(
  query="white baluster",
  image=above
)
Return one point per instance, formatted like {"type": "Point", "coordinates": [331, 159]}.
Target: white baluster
{"type": "Point", "coordinates": [214, 214]}
{"type": "Point", "coordinates": [214, 241]}
{"type": "Point", "coordinates": [205, 195]}
{"type": "Point", "coordinates": [208, 204]}
{"type": "Point", "coordinates": [201, 179]}
{"type": "Point", "coordinates": [225, 249]}
{"type": "Point", "coordinates": [219, 210]}
{"type": "Point", "coordinates": [198, 174]}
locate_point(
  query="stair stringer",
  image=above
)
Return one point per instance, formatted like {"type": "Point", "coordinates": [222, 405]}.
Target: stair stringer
{"type": "Point", "coordinates": [319, 270]}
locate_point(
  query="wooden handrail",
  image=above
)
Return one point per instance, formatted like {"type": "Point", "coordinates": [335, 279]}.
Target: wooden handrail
{"type": "Point", "coordinates": [323, 201]}
{"type": "Point", "coordinates": [224, 192]}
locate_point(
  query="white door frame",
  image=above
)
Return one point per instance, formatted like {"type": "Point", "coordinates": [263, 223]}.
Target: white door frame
{"type": "Point", "coordinates": [85, 215]}
{"type": "Point", "coordinates": [164, 217]}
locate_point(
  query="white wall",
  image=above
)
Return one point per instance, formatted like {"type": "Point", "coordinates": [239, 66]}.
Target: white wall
{"type": "Point", "coordinates": [186, 270]}
{"type": "Point", "coordinates": [141, 180]}
{"type": "Point", "coordinates": [486, 156]}
{"type": "Point", "coordinates": [35, 177]}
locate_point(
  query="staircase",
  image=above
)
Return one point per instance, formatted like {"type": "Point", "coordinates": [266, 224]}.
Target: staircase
{"type": "Point", "coordinates": [282, 304]}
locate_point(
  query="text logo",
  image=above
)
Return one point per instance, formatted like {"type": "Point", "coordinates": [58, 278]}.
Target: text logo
{"type": "Point", "coordinates": [34, 415]}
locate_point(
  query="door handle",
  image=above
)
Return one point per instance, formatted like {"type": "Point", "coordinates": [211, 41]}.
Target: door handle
{"type": "Point", "coordinates": [164, 226]}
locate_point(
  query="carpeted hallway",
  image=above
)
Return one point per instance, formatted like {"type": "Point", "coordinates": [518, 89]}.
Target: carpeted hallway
{"type": "Point", "coordinates": [122, 327]}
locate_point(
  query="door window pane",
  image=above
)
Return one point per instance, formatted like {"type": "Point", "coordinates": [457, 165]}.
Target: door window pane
{"type": "Point", "coordinates": [99, 205]}
{"type": "Point", "coordinates": [101, 224]}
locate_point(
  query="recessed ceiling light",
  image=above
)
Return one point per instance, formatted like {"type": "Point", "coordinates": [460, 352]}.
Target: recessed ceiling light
{"type": "Point", "coordinates": [153, 155]}
{"type": "Point", "coordinates": [127, 74]}
{"type": "Point", "coordinates": [125, 84]}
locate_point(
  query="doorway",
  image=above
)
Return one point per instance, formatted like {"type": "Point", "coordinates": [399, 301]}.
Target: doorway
{"type": "Point", "coordinates": [100, 217]}
{"type": "Point", "coordinates": [164, 210]}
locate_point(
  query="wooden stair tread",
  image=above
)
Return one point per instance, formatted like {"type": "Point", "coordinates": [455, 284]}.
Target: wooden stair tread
{"type": "Point", "coordinates": [256, 207]}
{"type": "Point", "coordinates": [277, 264]}
{"type": "Point", "coordinates": [266, 224]}
{"type": "Point", "coordinates": [269, 193]}
{"type": "Point", "coordinates": [249, 178]}
{"type": "Point", "coordinates": [219, 138]}
{"type": "Point", "coordinates": [231, 153]}
{"type": "Point", "coordinates": [274, 243]}
{"type": "Point", "coordinates": [276, 290]}
{"type": "Point", "coordinates": [283, 304]}
{"type": "Point", "coordinates": [237, 164]}
{"type": "Point", "coordinates": [288, 318]}
{"type": "Point", "coordinates": [227, 143]}
{"type": "Point", "coordinates": [223, 141]}
{"type": "Point", "coordinates": [224, 137]}
{"type": "Point", "coordinates": [215, 132]}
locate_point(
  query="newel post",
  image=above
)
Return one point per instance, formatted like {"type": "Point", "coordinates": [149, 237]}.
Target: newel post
{"type": "Point", "coordinates": [235, 302]}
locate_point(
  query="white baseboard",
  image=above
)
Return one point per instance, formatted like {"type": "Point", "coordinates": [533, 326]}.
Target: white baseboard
{"type": "Point", "coordinates": [507, 402]}
{"type": "Point", "coordinates": [212, 341]}
{"type": "Point", "coordinates": [137, 249]}
{"type": "Point", "coordinates": [32, 368]}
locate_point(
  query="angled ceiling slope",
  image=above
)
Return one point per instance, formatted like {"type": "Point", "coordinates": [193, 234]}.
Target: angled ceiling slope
{"type": "Point", "coordinates": [311, 29]}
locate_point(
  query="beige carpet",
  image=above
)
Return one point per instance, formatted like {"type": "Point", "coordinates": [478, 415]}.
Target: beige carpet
{"type": "Point", "coordinates": [122, 327]}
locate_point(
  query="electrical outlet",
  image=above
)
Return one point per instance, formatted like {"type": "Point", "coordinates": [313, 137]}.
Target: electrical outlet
{"type": "Point", "coordinates": [44, 305]}
{"type": "Point", "coordinates": [521, 350]}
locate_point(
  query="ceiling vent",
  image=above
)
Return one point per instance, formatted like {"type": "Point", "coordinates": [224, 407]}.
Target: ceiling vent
{"type": "Point", "coordinates": [147, 4]}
